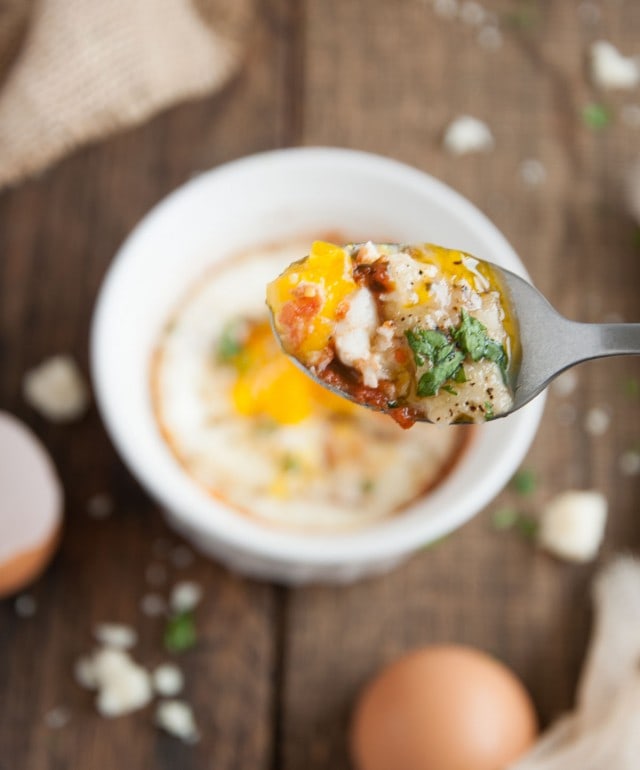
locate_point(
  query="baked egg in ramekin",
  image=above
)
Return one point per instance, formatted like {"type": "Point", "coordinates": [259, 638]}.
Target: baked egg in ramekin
{"type": "Point", "coordinates": [247, 459]}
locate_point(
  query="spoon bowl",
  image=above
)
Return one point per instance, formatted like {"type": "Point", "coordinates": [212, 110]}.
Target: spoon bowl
{"type": "Point", "coordinates": [544, 344]}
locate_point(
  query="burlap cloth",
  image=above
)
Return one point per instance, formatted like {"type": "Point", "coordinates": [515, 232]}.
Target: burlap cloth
{"type": "Point", "coordinates": [73, 71]}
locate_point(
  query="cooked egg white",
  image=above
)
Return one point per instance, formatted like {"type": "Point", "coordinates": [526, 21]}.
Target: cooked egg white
{"type": "Point", "coordinates": [254, 430]}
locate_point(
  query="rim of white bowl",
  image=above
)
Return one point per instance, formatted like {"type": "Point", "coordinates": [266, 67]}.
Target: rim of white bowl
{"type": "Point", "coordinates": [392, 537]}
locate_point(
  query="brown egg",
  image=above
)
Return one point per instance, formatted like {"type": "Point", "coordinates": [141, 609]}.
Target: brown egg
{"type": "Point", "coordinates": [30, 506]}
{"type": "Point", "coordinates": [442, 708]}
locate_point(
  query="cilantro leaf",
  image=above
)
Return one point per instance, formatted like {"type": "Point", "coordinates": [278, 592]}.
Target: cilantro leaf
{"type": "Point", "coordinates": [425, 343]}
{"type": "Point", "coordinates": [524, 481]}
{"type": "Point", "coordinates": [473, 339]}
{"type": "Point", "coordinates": [230, 342]}
{"type": "Point", "coordinates": [504, 518]}
{"type": "Point", "coordinates": [471, 336]}
{"type": "Point", "coordinates": [596, 116]}
{"type": "Point", "coordinates": [180, 632]}
{"type": "Point", "coordinates": [431, 381]}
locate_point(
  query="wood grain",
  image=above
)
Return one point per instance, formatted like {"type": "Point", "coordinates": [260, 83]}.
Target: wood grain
{"type": "Point", "coordinates": [388, 77]}
{"type": "Point", "coordinates": [275, 674]}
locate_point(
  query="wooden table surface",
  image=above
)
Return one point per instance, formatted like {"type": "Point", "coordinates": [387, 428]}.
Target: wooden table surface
{"type": "Point", "coordinates": [275, 672]}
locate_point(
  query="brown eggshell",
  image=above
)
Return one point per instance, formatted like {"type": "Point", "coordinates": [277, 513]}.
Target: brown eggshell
{"type": "Point", "coordinates": [443, 708]}
{"type": "Point", "coordinates": [31, 502]}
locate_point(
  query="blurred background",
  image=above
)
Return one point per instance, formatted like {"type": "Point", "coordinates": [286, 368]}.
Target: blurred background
{"type": "Point", "coordinates": [103, 111]}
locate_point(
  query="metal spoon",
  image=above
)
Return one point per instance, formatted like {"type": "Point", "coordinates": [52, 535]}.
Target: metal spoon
{"type": "Point", "coordinates": [549, 342]}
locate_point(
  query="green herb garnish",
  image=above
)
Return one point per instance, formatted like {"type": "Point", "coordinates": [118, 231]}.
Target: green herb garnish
{"type": "Point", "coordinates": [230, 343]}
{"type": "Point", "coordinates": [367, 486]}
{"type": "Point", "coordinates": [488, 410]}
{"type": "Point", "coordinates": [472, 336]}
{"type": "Point", "coordinates": [524, 481]}
{"type": "Point", "coordinates": [180, 632]}
{"type": "Point", "coordinates": [473, 339]}
{"type": "Point", "coordinates": [444, 367]}
{"type": "Point", "coordinates": [596, 116]}
{"type": "Point", "coordinates": [504, 518]}
{"type": "Point", "coordinates": [450, 389]}
{"type": "Point", "coordinates": [527, 526]}
{"type": "Point", "coordinates": [425, 344]}
{"type": "Point", "coordinates": [290, 463]}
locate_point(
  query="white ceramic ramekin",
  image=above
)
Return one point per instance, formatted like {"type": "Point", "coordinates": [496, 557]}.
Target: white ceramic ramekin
{"type": "Point", "coordinates": [264, 199]}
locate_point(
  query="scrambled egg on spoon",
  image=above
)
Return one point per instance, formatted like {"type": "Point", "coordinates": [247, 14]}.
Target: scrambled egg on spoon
{"type": "Point", "coordinates": [420, 332]}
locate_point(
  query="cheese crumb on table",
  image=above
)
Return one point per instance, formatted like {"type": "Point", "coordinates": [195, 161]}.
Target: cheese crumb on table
{"type": "Point", "coordinates": [176, 717]}
{"type": "Point", "coordinates": [447, 9]}
{"type": "Point", "coordinates": [629, 463]}
{"type": "Point", "coordinates": [56, 389]}
{"type": "Point", "coordinates": [25, 606]}
{"type": "Point", "coordinates": [167, 679]}
{"type": "Point", "coordinates": [566, 383]}
{"type": "Point", "coordinates": [610, 69]}
{"type": "Point", "coordinates": [115, 635]}
{"type": "Point", "coordinates": [185, 596]}
{"type": "Point", "coordinates": [572, 525]}
{"type": "Point", "coordinates": [122, 684]}
{"type": "Point", "coordinates": [597, 421]}
{"type": "Point", "coordinates": [532, 172]}
{"type": "Point", "coordinates": [472, 13]}
{"type": "Point", "coordinates": [153, 605]}
{"type": "Point", "coordinates": [100, 506]}
{"type": "Point", "coordinates": [467, 134]}
{"type": "Point", "coordinates": [57, 718]}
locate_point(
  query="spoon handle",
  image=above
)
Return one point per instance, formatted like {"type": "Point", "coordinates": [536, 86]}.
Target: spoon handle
{"type": "Point", "coordinates": [619, 339]}
{"type": "Point", "coordinates": [583, 341]}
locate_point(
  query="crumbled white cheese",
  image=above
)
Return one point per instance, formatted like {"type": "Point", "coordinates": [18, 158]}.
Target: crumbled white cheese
{"type": "Point", "coordinates": [566, 383]}
{"type": "Point", "coordinates": [490, 38]}
{"type": "Point", "coordinates": [168, 680]}
{"type": "Point", "coordinates": [352, 334]}
{"type": "Point", "coordinates": [532, 172]}
{"type": "Point", "coordinates": [447, 9]}
{"type": "Point", "coordinates": [84, 674]}
{"type": "Point", "coordinates": [100, 506]}
{"type": "Point", "coordinates": [57, 718]}
{"type": "Point", "coordinates": [572, 525]}
{"type": "Point", "coordinates": [589, 12]}
{"type": "Point", "coordinates": [597, 421]}
{"type": "Point", "coordinates": [610, 69]}
{"type": "Point", "coordinates": [629, 463]}
{"type": "Point", "coordinates": [181, 556]}
{"type": "Point", "coordinates": [56, 389]}
{"type": "Point", "coordinates": [185, 596]}
{"type": "Point", "coordinates": [153, 605]}
{"type": "Point", "coordinates": [176, 717]}
{"type": "Point", "coordinates": [115, 635]}
{"type": "Point", "coordinates": [472, 13]}
{"type": "Point", "coordinates": [122, 684]}
{"type": "Point", "coordinates": [467, 134]}
{"type": "Point", "coordinates": [25, 606]}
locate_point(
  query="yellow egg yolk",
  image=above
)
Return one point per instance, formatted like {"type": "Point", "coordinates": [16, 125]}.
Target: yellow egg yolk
{"type": "Point", "coordinates": [268, 384]}
{"type": "Point", "coordinates": [327, 271]}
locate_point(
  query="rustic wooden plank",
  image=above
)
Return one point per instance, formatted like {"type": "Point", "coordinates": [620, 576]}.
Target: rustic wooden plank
{"type": "Point", "coordinates": [388, 77]}
{"type": "Point", "coordinates": [57, 236]}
